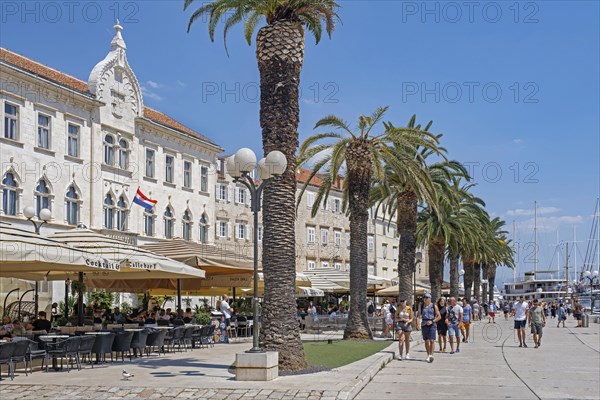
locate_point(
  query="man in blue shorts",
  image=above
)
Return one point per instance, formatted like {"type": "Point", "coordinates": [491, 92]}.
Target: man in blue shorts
{"type": "Point", "coordinates": [521, 308]}
{"type": "Point", "coordinates": [453, 316]}
{"type": "Point", "coordinates": [430, 315]}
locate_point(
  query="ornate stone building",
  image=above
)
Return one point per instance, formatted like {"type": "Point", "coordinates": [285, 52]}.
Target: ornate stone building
{"type": "Point", "coordinates": [83, 148]}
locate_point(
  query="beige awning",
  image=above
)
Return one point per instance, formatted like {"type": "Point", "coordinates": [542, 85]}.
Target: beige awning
{"type": "Point", "coordinates": [342, 278]}
{"type": "Point", "coordinates": [135, 263]}
{"type": "Point", "coordinates": [27, 255]}
{"type": "Point", "coordinates": [215, 260]}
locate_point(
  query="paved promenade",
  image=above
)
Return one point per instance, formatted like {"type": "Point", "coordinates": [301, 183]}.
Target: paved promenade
{"type": "Point", "coordinates": [492, 366]}
{"type": "Point", "coordinates": [567, 366]}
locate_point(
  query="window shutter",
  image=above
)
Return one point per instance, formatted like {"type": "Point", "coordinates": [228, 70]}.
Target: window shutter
{"type": "Point", "coordinates": [218, 191]}
{"type": "Point", "coordinates": [236, 195]}
{"type": "Point", "coordinates": [248, 198]}
{"type": "Point", "coordinates": [248, 232]}
{"type": "Point", "coordinates": [229, 229]}
{"type": "Point", "coordinates": [229, 194]}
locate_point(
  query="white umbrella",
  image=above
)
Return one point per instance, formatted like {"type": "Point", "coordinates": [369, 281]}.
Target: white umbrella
{"type": "Point", "coordinates": [135, 263]}
{"type": "Point", "coordinates": [27, 255]}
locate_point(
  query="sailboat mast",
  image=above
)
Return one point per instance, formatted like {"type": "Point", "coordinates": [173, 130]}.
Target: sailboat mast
{"type": "Point", "coordinates": [516, 266]}
{"type": "Point", "coordinates": [535, 243]}
{"type": "Point", "coordinates": [575, 251]}
{"type": "Point", "coordinates": [567, 272]}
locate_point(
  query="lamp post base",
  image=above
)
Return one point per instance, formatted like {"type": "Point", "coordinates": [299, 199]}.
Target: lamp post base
{"type": "Point", "coordinates": [256, 350]}
{"type": "Point", "coordinates": [257, 366]}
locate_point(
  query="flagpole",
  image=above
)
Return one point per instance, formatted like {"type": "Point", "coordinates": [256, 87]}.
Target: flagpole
{"type": "Point", "coordinates": [128, 212]}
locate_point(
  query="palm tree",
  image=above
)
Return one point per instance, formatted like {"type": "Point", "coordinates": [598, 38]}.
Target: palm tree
{"type": "Point", "coordinates": [454, 224]}
{"type": "Point", "coordinates": [280, 55]}
{"type": "Point", "coordinates": [364, 155]}
{"type": "Point", "coordinates": [399, 196]}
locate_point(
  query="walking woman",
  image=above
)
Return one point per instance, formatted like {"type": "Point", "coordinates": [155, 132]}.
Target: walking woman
{"type": "Point", "coordinates": [562, 315]}
{"type": "Point", "coordinates": [442, 328]}
{"type": "Point", "coordinates": [429, 317]}
{"type": "Point", "coordinates": [404, 319]}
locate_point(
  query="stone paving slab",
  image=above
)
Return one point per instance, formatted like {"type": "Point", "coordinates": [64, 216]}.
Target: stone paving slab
{"type": "Point", "coordinates": [494, 367]}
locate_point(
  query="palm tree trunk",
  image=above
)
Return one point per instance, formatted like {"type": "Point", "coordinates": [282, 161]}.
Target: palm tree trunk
{"type": "Point", "coordinates": [436, 266]}
{"type": "Point", "coordinates": [280, 54]}
{"type": "Point", "coordinates": [359, 165]}
{"type": "Point", "coordinates": [407, 228]}
{"type": "Point", "coordinates": [454, 276]}
{"type": "Point", "coordinates": [477, 281]}
{"type": "Point", "coordinates": [468, 278]}
{"type": "Point", "coordinates": [484, 286]}
{"type": "Point", "coordinates": [492, 282]}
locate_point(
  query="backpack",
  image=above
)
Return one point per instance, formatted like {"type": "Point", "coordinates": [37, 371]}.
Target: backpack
{"type": "Point", "coordinates": [371, 309]}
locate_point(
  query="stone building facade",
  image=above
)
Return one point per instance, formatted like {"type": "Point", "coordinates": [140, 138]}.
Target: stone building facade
{"type": "Point", "coordinates": [83, 148]}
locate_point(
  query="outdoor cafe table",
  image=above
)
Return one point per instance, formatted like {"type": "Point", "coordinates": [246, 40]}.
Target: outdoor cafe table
{"type": "Point", "coordinates": [53, 338]}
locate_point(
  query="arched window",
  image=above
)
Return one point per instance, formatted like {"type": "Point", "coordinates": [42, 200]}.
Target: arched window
{"type": "Point", "coordinates": [121, 214]}
{"type": "Point", "coordinates": [203, 229]}
{"type": "Point", "coordinates": [123, 154]}
{"type": "Point", "coordinates": [149, 222]}
{"type": "Point", "coordinates": [109, 150]}
{"type": "Point", "coordinates": [109, 212]}
{"type": "Point", "coordinates": [169, 222]}
{"type": "Point", "coordinates": [72, 206]}
{"type": "Point", "coordinates": [186, 224]}
{"type": "Point", "coordinates": [42, 197]}
{"type": "Point", "coordinates": [9, 194]}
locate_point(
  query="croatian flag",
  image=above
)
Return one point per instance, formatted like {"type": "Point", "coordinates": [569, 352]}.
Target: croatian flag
{"type": "Point", "coordinates": [143, 201]}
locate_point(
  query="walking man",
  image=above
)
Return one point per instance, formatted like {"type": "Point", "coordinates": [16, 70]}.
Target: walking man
{"type": "Point", "coordinates": [578, 313]}
{"type": "Point", "coordinates": [521, 320]}
{"type": "Point", "coordinates": [492, 313]}
{"type": "Point", "coordinates": [453, 317]}
{"type": "Point", "coordinates": [537, 320]}
{"type": "Point", "coordinates": [466, 320]}
{"type": "Point", "coordinates": [430, 315]}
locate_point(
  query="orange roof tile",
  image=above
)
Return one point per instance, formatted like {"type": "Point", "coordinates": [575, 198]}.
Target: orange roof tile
{"type": "Point", "coordinates": [43, 71]}
{"type": "Point", "coordinates": [302, 175]}
{"type": "Point", "coordinates": [77, 84]}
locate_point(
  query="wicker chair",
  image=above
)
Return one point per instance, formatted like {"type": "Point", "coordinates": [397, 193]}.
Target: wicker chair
{"type": "Point", "coordinates": [64, 349]}
{"type": "Point", "coordinates": [103, 345]}
{"type": "Point", "coordinates": [86, 345]}
{"type": "Point", "coordinates": [20, 354]}
{"type": "Point", "coordinates": [122, 343]}
{"type": "Point", "coordinates": [156, 339]}
{"type": "Point", "coordinates": [6, 352]}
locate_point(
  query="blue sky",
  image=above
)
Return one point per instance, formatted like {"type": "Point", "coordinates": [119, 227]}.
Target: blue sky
{"type": "Point", "coordinates": [514, 87]}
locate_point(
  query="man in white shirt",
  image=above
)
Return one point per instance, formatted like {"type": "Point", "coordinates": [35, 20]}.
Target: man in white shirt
{"type": "Point", "coordinates": [453, 317]}
{"type": "Point", "coordinates": [521, 308]}
{"type": "Point", "coordinates": [226, 310]}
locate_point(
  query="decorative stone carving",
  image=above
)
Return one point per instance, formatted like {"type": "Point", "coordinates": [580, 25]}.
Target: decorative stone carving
{"type": "Point", "coordinates": [112, 80]}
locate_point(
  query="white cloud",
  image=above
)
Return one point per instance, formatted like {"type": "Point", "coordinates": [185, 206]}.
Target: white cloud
{"type": "Point", "coordinates": [517, 141]}
{"type": "Point", "coordinates": [181, 84]}
{"type": "Point", "coordinates": [522, 212]}
{"type": "Point", "coordinates": [549, 224]}
{"type": "Point", "coordinates": [308, 101]}
{"type": "Point", "coordinates": [149, 94]}
{"type": "Point", "coordinates": [153, 85]}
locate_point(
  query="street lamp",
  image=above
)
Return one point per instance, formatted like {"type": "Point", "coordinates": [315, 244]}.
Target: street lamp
{"type": "Point", "coordinates": [45, 216]}
{"type": "Point", "coordinates": [418, 260]}
{"type": "Point", "coordinates": [591, 276]}
{"type": "Point", "coordinates": [67, 284]}
{"type": "Point", "coordinates": [462, 273]}
{"type": "Point", "coordinates": [484, 283]}
{"type": "Point", "coordinates": [239, 166]}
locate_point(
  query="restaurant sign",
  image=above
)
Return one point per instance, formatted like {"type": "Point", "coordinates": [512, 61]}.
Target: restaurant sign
{"type": "Point", "coordinates": [103, 264]}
